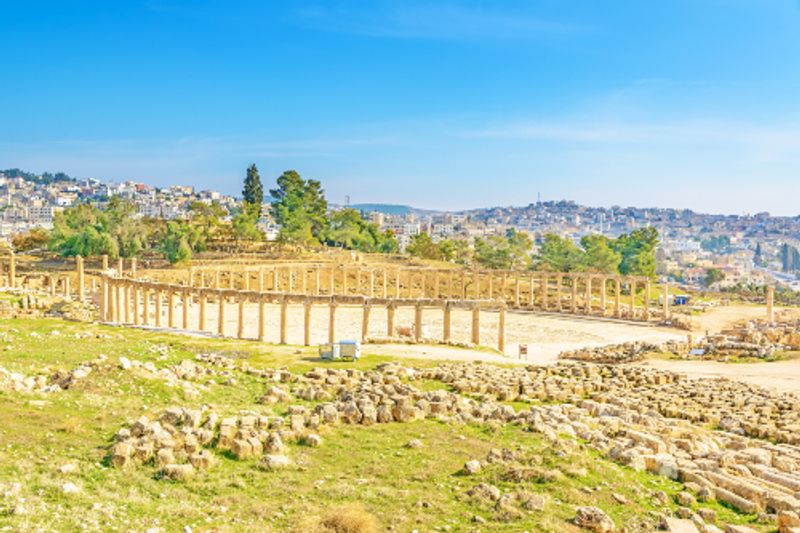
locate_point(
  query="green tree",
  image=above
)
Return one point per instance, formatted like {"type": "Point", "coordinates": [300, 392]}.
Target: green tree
{"type": "Point", "coordinates": [638, 251]}
{"type": "Point", "coordinates": [82, 230]}
{"type": "Point", "coordinates": [599, 254]}
{"type": "Point", "coordinates": [207, 218]}
{"type": "Point", "coordinates": [713, 275]}
{"type": "Point", "coordinates": [511, 251]}
{"type": "Point", "coordinates": [348, 229]}
{"type": "Point", "coordinates": [558, 254]}
{"type": "Point", "coordinates": [176, 244]}
{"type": "Point", "coordinates": [253, 192]}
{"type": "Point", "coordinates": [422, 246]}
{"type": "Point", "coordinates": [300, 209]}
{"type": "Point", "coordinates": [245, 226]}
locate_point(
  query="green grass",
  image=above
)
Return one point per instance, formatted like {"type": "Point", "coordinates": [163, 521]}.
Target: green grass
{"type": "Point", "coordinates": [407, 488]}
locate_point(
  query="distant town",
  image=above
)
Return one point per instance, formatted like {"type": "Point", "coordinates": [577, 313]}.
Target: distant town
{"type": "Point", "coordinates": [741, 250]}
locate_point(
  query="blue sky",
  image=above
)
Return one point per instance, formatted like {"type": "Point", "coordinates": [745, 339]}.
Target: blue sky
{"type": "Point", "coordinates": [446, 104]}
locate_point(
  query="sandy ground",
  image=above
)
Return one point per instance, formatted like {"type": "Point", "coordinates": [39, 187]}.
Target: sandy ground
{"type": "Point", "coordinates": [546, 335]}
{"type": "Point", "coordinates": [781, 375]}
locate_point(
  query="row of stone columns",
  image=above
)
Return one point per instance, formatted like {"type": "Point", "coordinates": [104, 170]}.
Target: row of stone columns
{"type": "Point", "coordinates": [126, 302]}
{"type": "Point", "coordinates": [545, 291]}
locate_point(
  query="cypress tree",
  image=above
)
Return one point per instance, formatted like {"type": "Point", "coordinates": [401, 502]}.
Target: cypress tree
{"type": "Point", "coordinates": [253, 192]}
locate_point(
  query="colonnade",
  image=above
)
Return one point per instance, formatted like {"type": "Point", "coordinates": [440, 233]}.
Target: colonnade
{"type": "Point", "coordinates": [137, 302]}
{"type": "Point", "coordinates": [587, 294]}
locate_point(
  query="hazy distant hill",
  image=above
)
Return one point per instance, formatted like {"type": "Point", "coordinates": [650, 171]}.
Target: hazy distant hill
{"type": "Point", "coordinates": [388, 209]}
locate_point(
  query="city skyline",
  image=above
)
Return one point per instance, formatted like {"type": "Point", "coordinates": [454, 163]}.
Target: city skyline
{"type": "Point", "coordinates": [440, 105]}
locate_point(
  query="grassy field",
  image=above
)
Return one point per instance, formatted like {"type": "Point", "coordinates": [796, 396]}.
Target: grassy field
{"type": "Point", "coordinates": [404, 488]}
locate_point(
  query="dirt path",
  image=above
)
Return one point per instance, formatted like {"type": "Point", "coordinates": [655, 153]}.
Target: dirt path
{"type": "Point", "coordinates": [780, 375]}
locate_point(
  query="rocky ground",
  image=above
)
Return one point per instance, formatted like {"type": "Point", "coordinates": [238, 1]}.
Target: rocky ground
{"type": "Point", "coordinates": [223, 435]}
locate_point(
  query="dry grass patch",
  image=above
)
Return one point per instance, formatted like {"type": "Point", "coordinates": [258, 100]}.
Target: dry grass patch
{"type": "Point", "coordinates": [347, 518]}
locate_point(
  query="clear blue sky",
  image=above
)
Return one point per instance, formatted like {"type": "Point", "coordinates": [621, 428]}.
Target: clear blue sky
{"type": "Point", "coordinates": [685, 103]}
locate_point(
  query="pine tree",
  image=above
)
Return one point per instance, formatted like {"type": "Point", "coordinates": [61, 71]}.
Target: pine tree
{"type": "Point", "coordinates": [253, 192]}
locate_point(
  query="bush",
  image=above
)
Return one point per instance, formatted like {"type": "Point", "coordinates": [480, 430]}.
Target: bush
{"type": "Point", "coordinates": [29, 240]}
{"type": "Point", "coordinates": [349, 518]}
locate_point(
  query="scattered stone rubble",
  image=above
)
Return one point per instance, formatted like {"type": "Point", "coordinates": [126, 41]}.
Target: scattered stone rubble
{"type": "Point", "coordinates": [643, 418]}
{"type": "Point", "coordinates": [754, 339]}
{"type": "Point", "coordinates": [629, 352]}
{"type": "Point", "coordinates": [58, 381]}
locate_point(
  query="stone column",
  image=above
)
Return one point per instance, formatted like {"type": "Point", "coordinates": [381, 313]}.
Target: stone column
{"type": "Point", "coordinates": [588, 308]}
{"type": "Point", "coordinates": [504, 286]}
{"type": "Point", "coordinates": [190, 276]}
{"type": "Point", "coordinates": [170, 308]}
{"type": "Point", "coordinates": [240, 323]}
{"type": "Point", "coordinates": [365, 322]}
{"type": "Point", "coordinates": [105, 262]}
{"type": "Point", "coordinates": [647, 300]}
{"type": "Point", "coordinates": [81, 278]}
{"type": "Point", "coordinates": [135, 305]}
{"type": "Point", "coordinates": [217, 280]}
{"type": "Point", "coordinates": [665, 302]}
{"type": "Point", "coordinates": [307, 323]}
{"type": "Point", "coordinates": [103, 299]}
{"type": "Point", "coordinates": [262, 318]}
{"type": "Point", "coordinates": [603, 296]}
{"type": "Point", "coordinates": [446, 322]}
{"type": "Point", "coordinates": [316, 281]}
{"type": "Point", "coordinates": [371, 283]}
{"type": "Point", "coordinates": [283, 320]}
{"type": "Point", "coordinates": [559, 293]}
{"type": "Point", "coordinates": [491, 285]}
{"type": "Point", "coordinates": [531, 292]}
{"type": "Point", "coordinates": [516, 289]}
{"type": "Point", "coordinates": [397, 283]}
{"type": "Point", "coordinates": [246, 275]}
{"type": "Point", "coordinates": [187, 298]}
{"type": "Point", "coordinates": [476, 285]}
{"type": "Point", "coordinates": [12, 270]}
{"type": "Point", "coordinates": [436, 277]}
{"type": "Point", "coordinates": [66, 287]}
{"type": "Point", "coordinates": [385, 284]}
{"type": "Point", "coordinates": [260, 280]}
{"type": "Point", "coordinates": [770, 304]}
{"type": "Point", "coordinates": [574, 303]}
{"type": "Point", "coordinates": [390, 320]}
{"type": "Point", "coordinates": [463, 294]}
{"type": "Point", "coordinates": [121, 266]}
{"type": "Point", "coordinates": [501, 330]}
{"type": "Point", "coordinates": [617, 298]}
{"type": "Point", "coordinates": [344, 281]}
{"type": "Point", "coordinates": [476, 325]}
{"type": "Point", "coordinates": [231, 279]}
{"type": "Point", "coordinates": [202, 311]}
{"type": "Point", "coordinates": [423, 282]}
{"type": "Point", "coordinates": [221, 314]}
{"type": "Point", "coordinates": [145, 305]}
{"type": "Point", "coordinates": [303, 280]}
{"type": "Point", "coordinates": [332, 322]}
{"type": "Point", "coordinates": [451, 285]}
{"type": "Point", "coordinates": [158, 307]}
{"type": "Point", "coordinates": [119, 314]}
{"type": "Point", "coordinates": [545, 290]}
{"type": "Point", "coordinates": [418, 322]}
{"type": "Point", "coordinates": [133, 267]}
{"type": "Point", "coordinates": [632, 284]}
{"type": "Point", "coordinates": [51, 282]}
{"type": "Point", "coordinates": [333, 281]}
